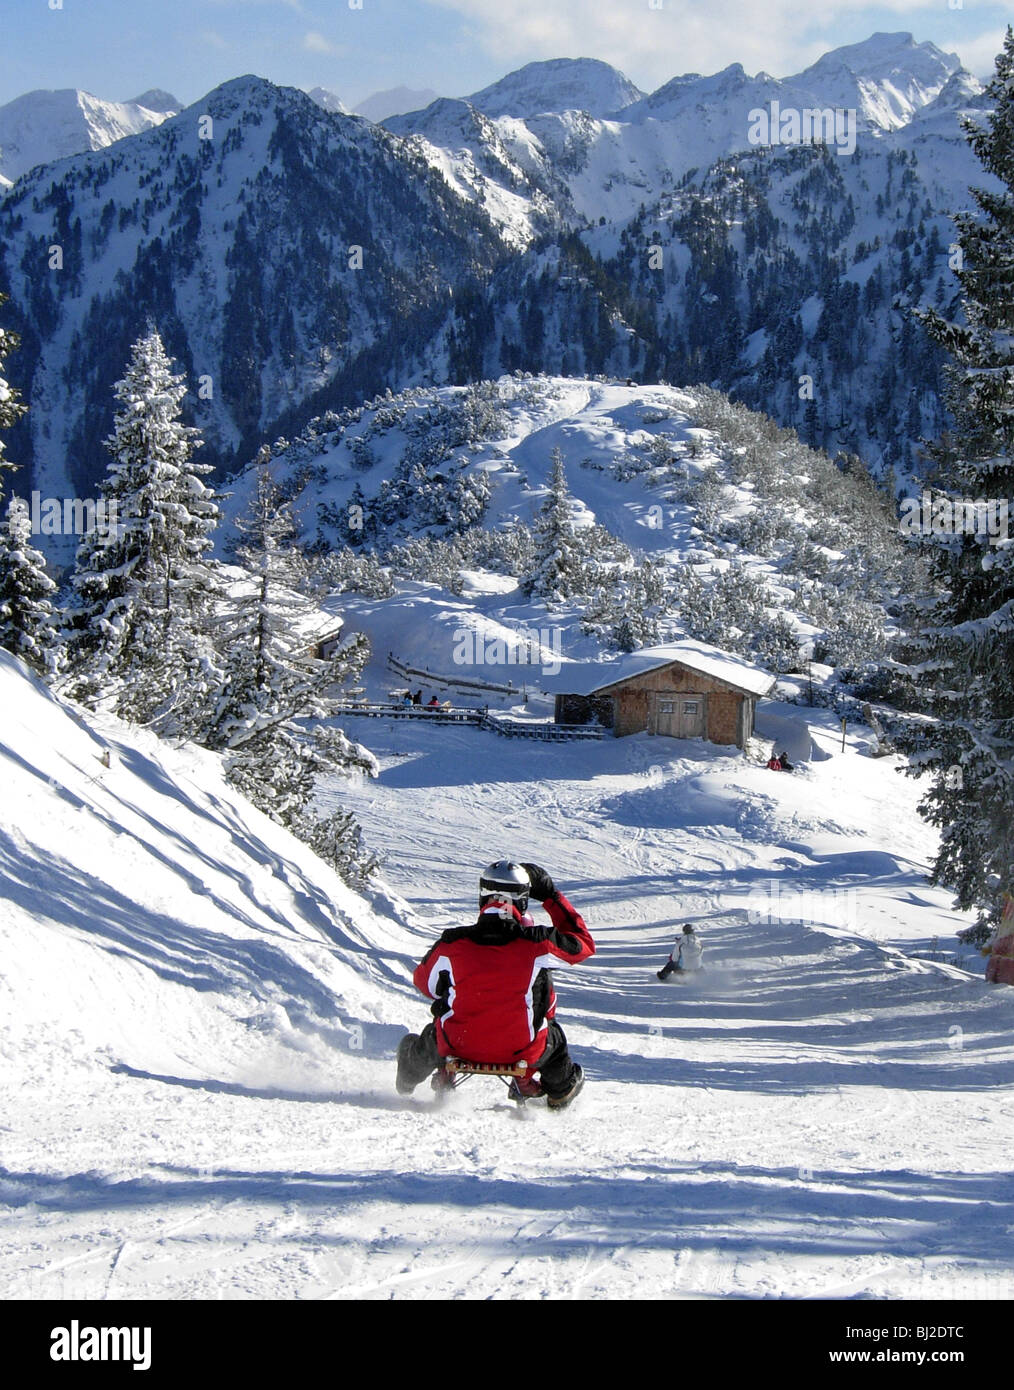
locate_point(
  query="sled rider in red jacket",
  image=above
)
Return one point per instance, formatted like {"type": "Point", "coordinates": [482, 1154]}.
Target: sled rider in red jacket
{"type": "Point", "coordinates": [493, 997]}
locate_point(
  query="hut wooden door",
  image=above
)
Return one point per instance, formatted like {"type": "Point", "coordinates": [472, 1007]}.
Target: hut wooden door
{"type": "Point", "coordinates": [676, 715]}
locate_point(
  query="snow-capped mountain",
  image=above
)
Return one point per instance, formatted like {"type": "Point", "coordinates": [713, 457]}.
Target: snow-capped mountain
{"type": "Point", "coordinates": [393, 101]}
{"type": "Point", "coordinates": [328, 101]}
{"type": "Point", "coordinates": [492, 243]}
{"type": "Point", "coordinates": [282, 246]}
{"type": "Point", "coordinates": [887, 78]}
{"type": "Point", "coordinates": [156, 99]}
{"type": "Point", "coordinates": [733, 91]}
{"type": "Point", "coordinates": [612, 158]}
{"type": "Point", "coordinates": [561, 84]}
{"type": "Point", "coordinates": [42, 126]}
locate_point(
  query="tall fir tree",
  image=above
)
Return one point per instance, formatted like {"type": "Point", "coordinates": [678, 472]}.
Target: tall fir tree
{"type": "Point", "coordinates": [271, 682]}
{"type": "Point", "coordinates": [560, 569]}
{"type": "Point", "coordinates": [26, 610]}
{"type": "Point", "coordinates": [11, 407]}
{"type": "Point", "coordinates": [266, 684]}
{"type": "Point", "coordinates": [26, 593]}
{"type": "Point", "coordinates": [143, 583]}
{"type": "Point", "coordinates": [967, 643]}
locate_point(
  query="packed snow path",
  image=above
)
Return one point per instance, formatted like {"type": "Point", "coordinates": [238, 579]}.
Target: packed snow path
{"type": "Point", "coordinates": [822, 1113]}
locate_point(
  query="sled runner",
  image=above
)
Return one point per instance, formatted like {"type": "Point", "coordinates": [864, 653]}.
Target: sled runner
{"type": "Point", "coordinates": [455, 1071]}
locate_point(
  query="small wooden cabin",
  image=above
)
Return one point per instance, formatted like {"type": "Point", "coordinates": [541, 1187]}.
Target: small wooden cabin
{"type": "Point", "coordinates": [684, 690]}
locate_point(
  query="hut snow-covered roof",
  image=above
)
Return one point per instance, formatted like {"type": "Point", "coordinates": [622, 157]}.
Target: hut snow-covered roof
{"type": "Point", "coordinates": [734, 671]}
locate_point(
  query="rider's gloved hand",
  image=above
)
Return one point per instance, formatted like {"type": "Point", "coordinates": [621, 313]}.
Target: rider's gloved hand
{"type": "Point", "coordinates": [543, 886]}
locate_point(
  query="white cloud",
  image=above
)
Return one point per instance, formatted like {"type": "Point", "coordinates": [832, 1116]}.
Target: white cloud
{"type": "Point", "coordinates": [979, 54]}
{"type": "Point", "coordinates": [314, 42]}
{"type": "Point", "coordinates": [213, 39]}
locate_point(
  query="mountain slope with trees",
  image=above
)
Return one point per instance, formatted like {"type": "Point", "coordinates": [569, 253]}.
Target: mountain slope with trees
{"type": "Point", "coordinates": [299, 259]}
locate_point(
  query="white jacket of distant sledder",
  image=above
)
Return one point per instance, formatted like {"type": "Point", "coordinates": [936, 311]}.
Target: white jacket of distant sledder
{"type": "Point", "coordinates": [686, 954]}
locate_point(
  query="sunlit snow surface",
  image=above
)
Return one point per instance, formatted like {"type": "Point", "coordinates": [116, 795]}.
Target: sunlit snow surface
{"type": "Point", "coordinates": [197, 1026]}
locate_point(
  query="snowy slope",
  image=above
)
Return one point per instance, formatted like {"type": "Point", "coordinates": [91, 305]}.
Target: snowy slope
{"type": "Point", "coordinates": [818, 1116]}
{"type": "Point", "coordinates": [157, 926]}
{"type": "Point", "coordinates": [41, 126]}
{"type": "Point", "coordinates": [189, 1111]}
{"type": "Point", "coordinates": [497, 164]}
{"type": "Point", "coordinates": [598, 425]}
{"type": "Point", "coordinates": [636, 458]}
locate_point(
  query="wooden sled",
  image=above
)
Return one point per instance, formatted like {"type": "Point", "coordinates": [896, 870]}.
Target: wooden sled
{"type": "Point", "coordinates": [455, 1071]}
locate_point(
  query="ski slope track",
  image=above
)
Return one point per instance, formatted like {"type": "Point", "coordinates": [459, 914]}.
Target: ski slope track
{"type": "Point", "coordinates": [198, 1022]}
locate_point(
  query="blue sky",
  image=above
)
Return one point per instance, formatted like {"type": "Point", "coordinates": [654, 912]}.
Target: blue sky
{"type": "Point", "coordinates": [118, 48]}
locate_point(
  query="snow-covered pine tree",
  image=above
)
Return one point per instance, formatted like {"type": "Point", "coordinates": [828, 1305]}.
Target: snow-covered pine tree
{"type": "Point", "coordinates": [968, 643]}
{"type": "Point", "coordinates": [144, 583]}
{"type": "Point", "coordinates": [631, 605]}
{"type": "Point", "coordinates": [271, 682]}
{"type": "Point", "coordinates": [561, 569]}
{"type": "Point", "coordinates": [26, 612]}
{"type": "Point", "coordinates": [348, 571]}
{"type": "Point", "coordinates": [266, 684]}
{"type": "Point", "coordinates": [11, 408]}
{"type": "Point", "coordinates": [26, 591]}
{"type": "Point", "coordinates": [337, 838]}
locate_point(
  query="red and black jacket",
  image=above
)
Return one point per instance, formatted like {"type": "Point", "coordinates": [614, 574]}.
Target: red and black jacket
{"type": "Point", "coordinates": [492, 993]}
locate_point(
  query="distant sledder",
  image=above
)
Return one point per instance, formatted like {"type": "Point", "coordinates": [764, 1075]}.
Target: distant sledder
{"type": "Point", "coordinates": [494, 1007]}
{"type": "Point", "coordinates": [685, 956]}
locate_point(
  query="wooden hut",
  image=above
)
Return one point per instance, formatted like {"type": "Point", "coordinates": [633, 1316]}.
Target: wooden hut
{"type": "Point", "coordinates": [685, 690]}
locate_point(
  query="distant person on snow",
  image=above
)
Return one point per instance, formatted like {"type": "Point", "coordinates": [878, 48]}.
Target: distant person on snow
{"type": "Point", "coordinates": [492, 993]}
{"type": "Point", "coordinates": [685, 956]}
{"type": "Point", "coordinates": [780, 763]}
{"type": "Point", "coordinates": [434, 703]}
{"type": "Point", "coordinates": [417, 698]}
{"type": "Point", "coordinates": [406, 699]}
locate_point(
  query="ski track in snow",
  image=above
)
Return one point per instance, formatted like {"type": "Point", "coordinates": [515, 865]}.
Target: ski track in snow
{"type": "Point", "coordinates": [190, 1113]}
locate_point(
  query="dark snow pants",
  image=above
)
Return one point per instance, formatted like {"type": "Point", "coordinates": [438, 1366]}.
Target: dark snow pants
{"type": "Point", "coordinates": [555, 1066]}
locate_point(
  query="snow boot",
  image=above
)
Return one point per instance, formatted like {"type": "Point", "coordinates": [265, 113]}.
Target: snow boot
{"type": "Point", "coordinates": [402, 1085]}
{"type": "Point", "coordinates": [558, 1102]}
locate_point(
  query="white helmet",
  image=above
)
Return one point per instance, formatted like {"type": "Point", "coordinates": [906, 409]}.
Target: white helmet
{"type": "Point", "coordinates": [507, 881]}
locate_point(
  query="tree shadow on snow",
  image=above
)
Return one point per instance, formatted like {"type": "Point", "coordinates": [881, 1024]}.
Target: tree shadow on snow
{"type": "Point", "coordinates": [179, 952]}
{"type": "Point", "coordinates": [719, 1209]}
